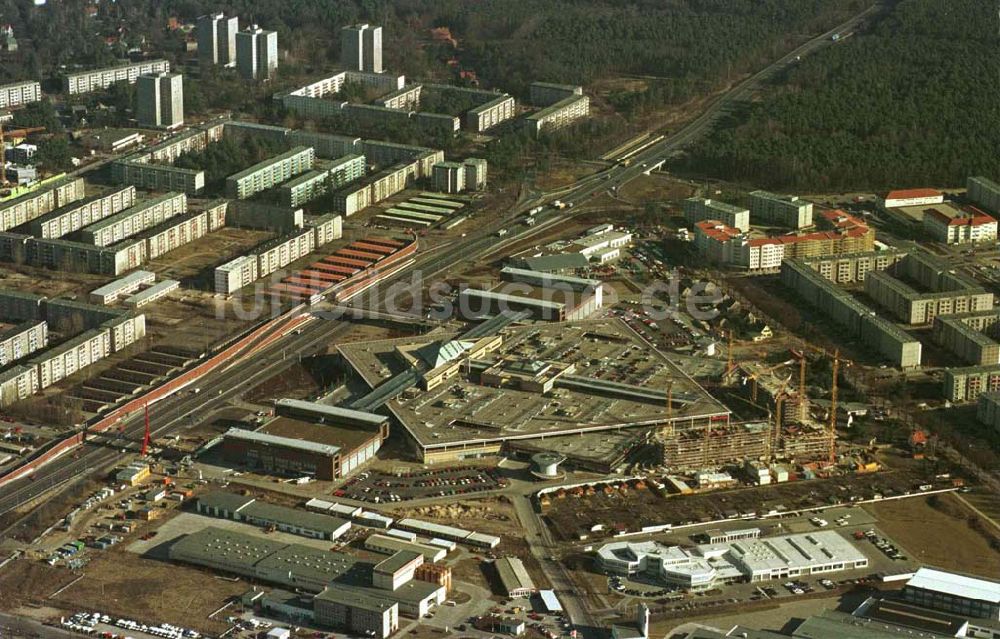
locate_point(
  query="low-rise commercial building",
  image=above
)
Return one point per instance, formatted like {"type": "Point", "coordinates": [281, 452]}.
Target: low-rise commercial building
{"type": "Point", "coordinates": [558, 115]}
{"type": "Point", "coordinates": [97, 79]}
{"type": "Point", "coordinates": [109, 293]}
{"type": "Point", "coordinates": [19, 93]}
{"type": "Point", "coordinates": [909, 197]}
{"type": "Point", "coordinates": [514, 577]}
{"type": "Point", "coordinates": [269, 173]}
{"type": "Point", "coordinates": [785, 210]}
{"type": "Point", "coordinates": [390, 545]}
{"type": "Point", "coordinates": [153, 293]}
{"type": "Point", "coordinates": [744, 560]}
{"type": "Point", "coordinates": [258, 513]}
{"type": "Point", "coordinates": [953, 592]}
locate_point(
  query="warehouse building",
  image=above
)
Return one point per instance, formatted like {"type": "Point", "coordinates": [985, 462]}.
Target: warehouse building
{"type": "Point", "coordinates": [111, 292]}
{"type": "Point", "coordinates": [326, 442]}
{"type": "Point", "coordinates": [985, 193]}
{"type": "Point", "coordinates": [135, 220]}
{"type": "Point", "coordinates": [745, 560]}
{"type": "Point", "coordinates": [547, 93]}
{"type": "Point", "coordinates": [970, 336]}
{"type": "Point", "coordinates": [235, 274]}
{"type": "Point", "coordinates": [697, 209]}
{"type": "Point", "coordinates": [451, 533]}
{"type": "Point", "coordinates": [558, 115]}
{"type": "Point", "coordinates": [236, 507]}
{"type": "Point", "coordinates": [270, 173]}
{"type": "Point", "coordinates": [390, 545]}
{"type": "Point", "coordinates": [347, 596]}
{"type": "Point", "coordinates": [19, 93]}
{"type": "Point", "coordinates": [563, 306]}
{"type": "Point", "coordinates": [514, 577]}
{"type": "Point", "coordinates": [22, 340]}
{"type": "Point", "coordinates": [842, 308]}
{"type": "Point", "coordinates": [785, 210]}
{"type": "Point", "coordinates": [988, 410]}
{"type": "Point", "coordinates": [50, 195]}
{"type": "Point", "coordinates": [953, 592]}
{"type": "Point", "coordinates": [66, 220]}
{"type": "Point", "coordinates": [98, 79]}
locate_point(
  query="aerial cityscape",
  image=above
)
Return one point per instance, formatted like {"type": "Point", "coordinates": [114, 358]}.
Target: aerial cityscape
{"type": "Point", "coordinates": [551, 319]}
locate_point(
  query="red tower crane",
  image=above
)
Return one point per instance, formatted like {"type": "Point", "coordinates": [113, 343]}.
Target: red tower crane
{"type": "Point", "coordinates": [145, 437]}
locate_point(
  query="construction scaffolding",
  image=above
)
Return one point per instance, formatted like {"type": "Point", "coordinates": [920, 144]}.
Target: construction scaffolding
{"type": "Point", "coordinates": [713, 446]}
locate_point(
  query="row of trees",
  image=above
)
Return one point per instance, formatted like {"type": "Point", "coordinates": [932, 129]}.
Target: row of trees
{"type": "Point", "coordinates": [913, 101]}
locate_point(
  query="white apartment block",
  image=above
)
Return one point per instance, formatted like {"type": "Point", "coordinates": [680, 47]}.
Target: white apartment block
{"type": "Point", "coordinates": [217, 39]}
{"type": "Point", "coordinates": [124, 331]}
{"type": "Point", "coordinates": [134, 220]}
{"type": "Point", "coordinates": [698, 209]}
{"type": "Point", "coordinates": [98, 79]}
{"type": "Point", "coordinates": [547, 93]}
{"type": "Point", "coordinates": [960, 229]}
{"type": "Point", "coordinates": [61, 192]}
{"type": "Point", "coordinates": [62, 361]}
{"type": "Point", "coordinates": [475, 173]}
{"type": "Point", "coordinates": [282, 251]}
{"type": "Point", "coordinates": [270, 173]}
{"type": "Point", "coordinates": [785, 210]}
{"type": "Point", "coordinates": [19, 94]}
{"type": "Point", "coordinates": [109, 293]}
{"type": "Point", "coordinates": [256, 53]}
{"type": "Point", "coordinates": [66, 220]}
{"type": "Point", "coordinates": [326, 228]}
{"type": "Point", "coordinates": [488, 115]}
{"type": "Point", "coordinates": [22, 340]}
{"type": "Point", "coordinates": [160, 100]}
{"type": "Point", "coordinates": [17, 383]}
{"type": "Point", "coordinates": [235, 274]}
{"type": "Point", "coordinates": [558, 115]}
{"type": "Point", "coordinates": [984, 192]}
{"type": "Point", "coordinates": [176, 232]}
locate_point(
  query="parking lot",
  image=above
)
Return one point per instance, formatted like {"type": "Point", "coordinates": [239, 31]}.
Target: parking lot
{"type": "Point", "coordinates": [380, 487]}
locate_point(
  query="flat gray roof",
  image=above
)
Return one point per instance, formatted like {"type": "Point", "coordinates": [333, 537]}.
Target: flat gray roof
{"type": "Point", "coordinates": [397, 561]}
{"type": "Point", "coordinates": [333, 413]}
{"type": "Point", "coordinates": [224, 500]}
{"type": "Point", "coordinates": [284, 442]}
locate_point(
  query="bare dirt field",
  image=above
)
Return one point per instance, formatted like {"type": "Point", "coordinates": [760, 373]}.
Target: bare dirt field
{"type": "Point", "coordinates": [26, 581]}
{"type": "Point", "coordinates": [189, 262]}
{"type": "Point", "coordinates": [939, 531]}
{"type": "Point", "coordinates": [119, 582]}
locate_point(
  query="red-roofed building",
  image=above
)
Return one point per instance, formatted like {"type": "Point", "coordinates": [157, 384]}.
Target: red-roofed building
{"type": "Point", "coordinates": [909, 197]}
{"type": "Point", "coordinates": [951, 226]}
